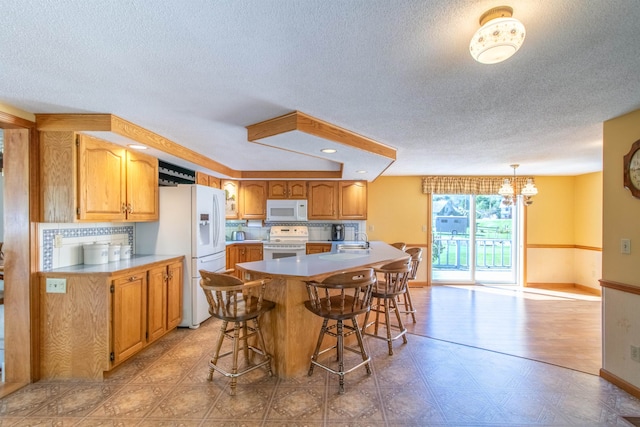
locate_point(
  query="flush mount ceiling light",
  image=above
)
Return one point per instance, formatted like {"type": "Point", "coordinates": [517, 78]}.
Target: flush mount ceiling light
{"type": "Point", "coordinates": [329, 150]}
{"type": "Point", "coordinates": [509, 190]}
{"type": "Point", "coordinates": [499, 37]}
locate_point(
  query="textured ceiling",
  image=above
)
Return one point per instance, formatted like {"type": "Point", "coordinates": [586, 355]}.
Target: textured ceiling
{"type": "Point", "coordinates": [396, 71]}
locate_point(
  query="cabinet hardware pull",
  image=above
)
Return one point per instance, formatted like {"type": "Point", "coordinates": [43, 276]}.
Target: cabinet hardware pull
{"type": "Point", "coordinates": [124, 208]}
{"type": "Point", "coordinates": [132, 278]}
{"type": "Point", "coordinates": [129, 208]}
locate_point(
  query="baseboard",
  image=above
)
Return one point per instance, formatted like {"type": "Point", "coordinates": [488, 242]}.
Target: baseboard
{"type": "Point", "coordinates": [565, 287]}
{"type": "Point", "coordinates": [619, 382]}
{"type": "Point", "coordinates": [416, 284]}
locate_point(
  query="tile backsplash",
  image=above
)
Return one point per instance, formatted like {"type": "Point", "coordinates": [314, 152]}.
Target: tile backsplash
{"type": "Point", "coordinates": [318, 231]}
{"type": "Point", "coordinates": [71, 237]}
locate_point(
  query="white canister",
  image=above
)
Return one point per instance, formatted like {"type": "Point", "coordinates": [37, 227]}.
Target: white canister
{"type": "Point", "coordinates": [114, 253]}
{"type": "Point", "coordinates": [96, 253]}
{"type": "Point", "coordinates": [125, 252]}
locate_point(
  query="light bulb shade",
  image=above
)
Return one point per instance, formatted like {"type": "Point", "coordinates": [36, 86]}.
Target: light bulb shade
{"type": "Point", "coordinates": [529, 190]}
{"type": "Point", "coordinates": [506, 190]}
{"type": "Point", "coordinates": [497, 40]}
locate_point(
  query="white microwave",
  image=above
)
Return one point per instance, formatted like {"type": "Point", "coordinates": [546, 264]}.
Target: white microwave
{"type": "Point", "coordinates": [286, 210]}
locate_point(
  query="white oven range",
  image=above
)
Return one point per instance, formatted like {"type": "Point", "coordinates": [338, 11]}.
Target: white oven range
{"type": "Point", "coordinates": [286, 241]}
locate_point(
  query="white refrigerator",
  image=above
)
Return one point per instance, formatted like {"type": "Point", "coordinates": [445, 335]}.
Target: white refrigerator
{"type": "Point", "coordinates": [192, 221]}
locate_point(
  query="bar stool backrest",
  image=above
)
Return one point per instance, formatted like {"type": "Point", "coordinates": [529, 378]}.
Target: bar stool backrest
{"type": "Point", "coordinates": [396, 275]}
{"type": "Point", "coordinates": [229, 297]}
{"type": "Point", "coordinates": [399, 245]}
{"type": "Point", "coordinates": [342, 295]}
{"type": "Point", "coordinates": [416, 257]}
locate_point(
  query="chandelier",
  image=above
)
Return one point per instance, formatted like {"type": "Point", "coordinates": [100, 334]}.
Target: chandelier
{"type": "Point", "coordinates": [509, 190]}
{"type": "Point", "coordinates": [499, 36]}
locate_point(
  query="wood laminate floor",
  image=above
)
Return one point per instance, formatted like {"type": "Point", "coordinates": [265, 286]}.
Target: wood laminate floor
{"type": "Point", "coordinates": [472, 359]}
{"type": "Point", "coordinates": [555, 326]}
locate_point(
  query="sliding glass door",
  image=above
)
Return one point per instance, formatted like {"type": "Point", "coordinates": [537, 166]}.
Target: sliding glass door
{"type": "Point", "coordinates": [475, 239]}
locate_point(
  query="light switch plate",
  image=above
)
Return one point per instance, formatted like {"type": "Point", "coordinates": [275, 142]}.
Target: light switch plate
{"type": "Point", "coordinates": [56, 286]}
{"type": "Point", "coordinates": [625, 246]}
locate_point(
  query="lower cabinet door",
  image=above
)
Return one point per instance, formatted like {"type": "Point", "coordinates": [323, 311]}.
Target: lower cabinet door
{"type": "Point", "coordinates": [157, 303]}
{"type": "Point", "coordinates": [129, 315]}
{"type": "Point", "coordinates": [174, 294]}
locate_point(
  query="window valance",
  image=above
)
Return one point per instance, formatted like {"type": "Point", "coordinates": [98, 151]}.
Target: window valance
{"type": "Point", "coordinates": [467, 184]}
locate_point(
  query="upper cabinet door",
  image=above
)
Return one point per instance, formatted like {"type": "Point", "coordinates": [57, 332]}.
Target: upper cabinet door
{"type": "Point", "coordinates": [287, 190]}
{"type": "Point", "coordinates": [297, 189]}
{"type": "Point", "coordinates": [253, 199]}
{"type": "Point", "coordinates": [231, 194]}
{"type": "Point", "coordinates": [142, 187]}
{"type": "Point", "coordinates": [353, 200]}
{"type": "Point", "coordinates": [101, 180]}
{"type": "Point", "coordinates": [323, 200]}
{"type": "Point", "coordinates": [277, 190]}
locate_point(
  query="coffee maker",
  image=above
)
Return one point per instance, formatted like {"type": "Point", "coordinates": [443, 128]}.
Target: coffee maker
{"type": "Point", "coordinates": [337, 232]}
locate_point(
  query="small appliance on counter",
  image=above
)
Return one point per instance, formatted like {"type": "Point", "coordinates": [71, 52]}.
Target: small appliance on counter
{"type": "Point", "coordinates": [114, 253]}
{"type": "Point", "coordinates": [237, 236]}
{"type": "Point", "coordinates": [337, 232]}
{"type": "Point", "coordinates": [125, 252]}
{"type": "Point", "coordinates": [95, 253]}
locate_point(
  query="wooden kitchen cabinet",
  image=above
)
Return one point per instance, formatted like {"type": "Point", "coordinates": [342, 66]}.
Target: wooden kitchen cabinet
{"type": "Point", "coordinates": [337, 200]}
{"type": "Point", "coordinates": [202, 178]}
{"type": "Point", "coordinates": [103, 319]}
{"type": "Point", "coordinates": [142, 187]}
{"type": "Point", "coordinates": [287, 190]}
{"type": "Point", "coordinates": [352, 200]}
{"type": "Point", "coordinates": [208, 180]}
{"type": "Point", "coordinates": [318, 248]}
{"type": "Point", "coordinates": [175, 283]}
{"type": "Point", "coordinates": [253, 200]}
{"type": "Point", "coordinates": [84, 178]}
{"type": "Point", "coordinates": [323, 200]}
{"type": "Point", "coordinates": [231, 193]}
{"type": "Point", "coordinates": [243, 252]}
{"type": "Point", "coordinates": [214, 182]}
{"type": "Point", "coordinates": [129, 315]}
{"type": "Point", "coordinates": [164, 300]}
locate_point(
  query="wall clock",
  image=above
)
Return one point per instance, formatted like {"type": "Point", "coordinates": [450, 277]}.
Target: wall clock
{"type": "Point", "coordinates": [632, 170]}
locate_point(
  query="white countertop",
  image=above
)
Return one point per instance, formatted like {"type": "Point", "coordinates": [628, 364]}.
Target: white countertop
{"type": "Point", "coordinates": [307, 266]}
{"type": "Point", "coordinates": [113, 267]}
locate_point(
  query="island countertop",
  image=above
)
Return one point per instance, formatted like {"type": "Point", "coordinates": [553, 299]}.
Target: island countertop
{"type": "Point", "coordinates": [321, 264]}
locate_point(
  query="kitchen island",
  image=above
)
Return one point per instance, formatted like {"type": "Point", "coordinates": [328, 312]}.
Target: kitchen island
{"type": "Point", "coordinates": [291, 331]}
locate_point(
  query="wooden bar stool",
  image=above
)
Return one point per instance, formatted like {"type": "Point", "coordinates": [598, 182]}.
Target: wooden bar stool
{"type": "Point", "coordinates": [416, 257]}
{"type": "Point", "coordinates": [385, 292]}
{"type": "Point", "coordinates": [399, 245]}
{"type": "Point", "coordinates": [341, 297]}
{"type": "Point", "coordinates": [232, 300]}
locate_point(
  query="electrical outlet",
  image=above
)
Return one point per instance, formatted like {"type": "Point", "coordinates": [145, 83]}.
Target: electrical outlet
{"type": "Point", "coordinates": [56, 286]}
{"type": "Point", "coordinates": [635, 353]}
{"type": "Point", "coordinates": [625, 246]}
{"type": "Point", "coordinates": [57, 241]}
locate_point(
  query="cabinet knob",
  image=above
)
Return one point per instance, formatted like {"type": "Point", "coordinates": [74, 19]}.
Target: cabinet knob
{"type": "Point", "coordinates": [129, 208]}
{"type": "Point", "coordinates": [132, 278]}
{"type": "Point", "coordinates": [124, 208]}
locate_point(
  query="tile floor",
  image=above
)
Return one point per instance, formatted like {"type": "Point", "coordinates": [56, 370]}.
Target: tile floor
{"type": "Point", "coordinates": [427, 382]}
